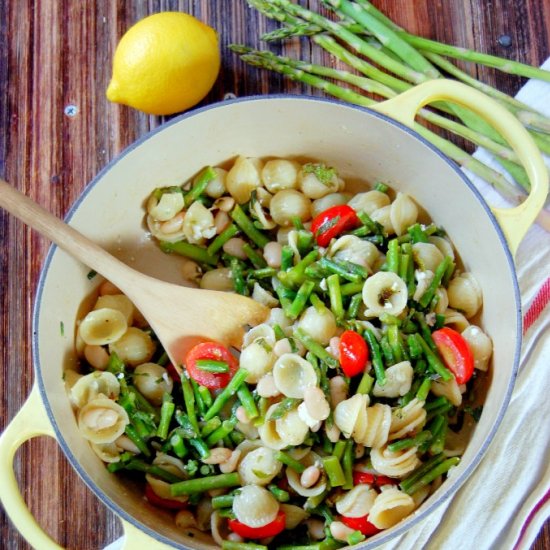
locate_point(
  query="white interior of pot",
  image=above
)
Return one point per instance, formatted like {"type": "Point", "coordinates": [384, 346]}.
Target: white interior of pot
{"type": "Point", "coordinates": [360, 145]}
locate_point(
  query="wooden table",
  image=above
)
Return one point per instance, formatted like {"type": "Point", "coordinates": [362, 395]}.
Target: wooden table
{"type": "Point", "coordinates": [57, 130]}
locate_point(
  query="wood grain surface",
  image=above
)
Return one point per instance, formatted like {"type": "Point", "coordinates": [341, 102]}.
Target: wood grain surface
{"type": "Point", "coordinates": [57, 131]}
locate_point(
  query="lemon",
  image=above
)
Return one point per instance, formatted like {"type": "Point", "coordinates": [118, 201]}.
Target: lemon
{"type": "Point", "coordinates": [164, 64]}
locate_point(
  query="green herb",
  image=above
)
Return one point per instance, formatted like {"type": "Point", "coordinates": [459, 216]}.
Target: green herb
{"type": "Point", "coordinates": [322, 172]}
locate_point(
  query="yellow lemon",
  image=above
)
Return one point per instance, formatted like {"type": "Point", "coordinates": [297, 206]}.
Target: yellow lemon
{"type": "Point", "coordinates": [164, 64]}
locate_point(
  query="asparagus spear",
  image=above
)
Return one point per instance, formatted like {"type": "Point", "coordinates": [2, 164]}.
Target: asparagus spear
{"type": "Point", "coordinates": [495, 179]}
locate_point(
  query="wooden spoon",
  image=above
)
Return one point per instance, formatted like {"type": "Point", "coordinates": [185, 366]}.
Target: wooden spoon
{"type": "Point", "coordinates": [180, 316]}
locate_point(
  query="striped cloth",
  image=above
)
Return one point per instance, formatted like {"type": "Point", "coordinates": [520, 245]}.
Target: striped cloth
{"type": "Point", "coordinates": [505, 502]}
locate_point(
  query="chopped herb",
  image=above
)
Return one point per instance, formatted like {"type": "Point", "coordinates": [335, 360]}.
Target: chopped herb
{"type": "Point", "coordinates": [91, 274]}
{"type": "Point", "coordinates": [62, 328]}
{"type": "Point", "coordinates": [325, 174]}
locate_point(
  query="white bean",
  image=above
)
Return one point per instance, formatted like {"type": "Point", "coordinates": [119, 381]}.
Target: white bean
{"type": "Point", "coordinates": [340, 531]}
{"type": "Point", "coordinates": [97, 356]}
{"type": "Point", "coordinates": [221, 221]}
{"type": "Point", "coordinates": [316, 404]}
{"type": "Point", "coordinates": [185, 519]}
{"type": "Point", "coordinates": [225, 204]}
{"type": "Point", "coordinates": [334, 347]}
{"type": "Point", "coordinates": [233, 537]}
{"type": "Point", "coordinates": [281, 347]}
{"type": "Point", "coordinates": [338, 390]}
{"type": "Point", "coordinates": [241, 415]}
{"type": "Point", "coordinates": [190, 270]}
{"type": "Point", "coordinates": [218, 455]}
{"type": "Point", "coordinates": [173, 225]}
{"type": "Point", "coordinates": [315, 528]}
{"type": "Point", "coordinates": [230, 465]}
{"type": "Point", "coordinates": [266, 386]}
{"type": "Point", "coordinates": [234, 247]}
{"type": "Point", "coordinates": [310, 476]}
{"type": "Point", "coordinates": [272, 254]}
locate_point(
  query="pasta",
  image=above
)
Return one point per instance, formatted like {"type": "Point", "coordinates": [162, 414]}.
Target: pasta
{"type": "Point", "coordinates": [346, 403]}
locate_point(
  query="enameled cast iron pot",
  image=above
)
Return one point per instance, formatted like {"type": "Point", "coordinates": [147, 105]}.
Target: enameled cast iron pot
{"type": "Point", "coordinates": [366, 145]}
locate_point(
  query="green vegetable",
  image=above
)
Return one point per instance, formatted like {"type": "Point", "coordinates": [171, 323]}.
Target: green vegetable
{"type": "Point", "coordinates": [203, 484]}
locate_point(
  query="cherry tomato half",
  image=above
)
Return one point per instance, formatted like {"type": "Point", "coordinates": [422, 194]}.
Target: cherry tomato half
{"type": "Point", "coordinates": [354, 353]}
{"type": "Point", "coordinates": [217, 352]}
{"type": "Point", "coordinates": [333, 221]}
{"type": "Point", "coordinates": [269, 530]}
{"type": "Point", "coordinates": [360, 524]}
{"type": "Point", "coordinates": [455, 353]}
{"type": "Point", "coordinates": [372, 479]}
{"type": "Point", "coordinates": [167, 503]}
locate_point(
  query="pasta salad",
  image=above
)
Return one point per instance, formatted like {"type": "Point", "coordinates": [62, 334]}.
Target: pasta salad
{"type": "Point", "coordinates": [342, 412]}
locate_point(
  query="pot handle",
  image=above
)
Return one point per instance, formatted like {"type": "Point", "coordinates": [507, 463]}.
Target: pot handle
{"type": "Point", "coordinates": [31, 421]}
{"type": "Point", "coordinates": [514, 221]}
{"type": "Point", "coordinates": [136, 538]}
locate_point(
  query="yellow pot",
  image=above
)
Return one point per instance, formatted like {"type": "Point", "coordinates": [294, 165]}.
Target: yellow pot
{"type": "Point", "coordinates": [366, 144]}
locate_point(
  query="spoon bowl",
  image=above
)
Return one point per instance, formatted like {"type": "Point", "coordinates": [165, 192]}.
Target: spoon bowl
{"type": "Point", "coordinates": [180, 316]}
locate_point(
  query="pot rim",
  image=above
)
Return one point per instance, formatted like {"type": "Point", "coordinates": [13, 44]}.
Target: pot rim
{"type": "Point", "coordinates": [457, 482]}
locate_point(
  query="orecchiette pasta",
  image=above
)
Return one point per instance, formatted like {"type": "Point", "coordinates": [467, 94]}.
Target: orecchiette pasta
{"type": "Point", "coordinates": [427, 256]}
{"type": "Point", "coordinates": [384, 292]}
{"type": "Point", "coordinates": [91, 385]}
{"type": "Point", "coordinates": [101, 420]}
{"type": "Point", "coordinates": [390, 507]}
{"type": "Point", "coordinates": [480, 345]}
{"type": "Point", "coordinates": [258, 359]}
{"type": "Point", "coordinates": [102, 326]}
{"type": "Point", "coordinates": [280, 174]}
{"type": "Point", "coordinates": [198, 223]}
{"type": "Point", "coordinates": [352, 249]}
{"type": "Point", "coordinates": [403, 213]}
{"type": "Point", "coordinates": [120, 303]}
{"type": "Point", "coordinates": [321, 326]}
{"type": "Point", "coordinates": [448, 389]}
{"type": "Point", "coordinates": [408, 419]}
{"type": "Point", "coordinates": [255, 506]}
{"type": "Point", "coordinates": [135, 346]}
{"type": "Point", "coordinates": [243, 178]}
{"type": "Point", "coordinates": [290, 204]}
{"type": "Point", "coordinates": [394, 464]}
{"type": "Point", "coordinates": [464, 294]}
{"type": "Point", "coordinates": [293, 374]}
{"type": "Point", "coordinates": [259, 466]}
{"type": "Point", "coordinates": [398, 381]}
{"type": "Point", "coordinates": [357, 502]}
{"type": "Point", "coordinates": [369, 202]}
{"type": "Point", "coordinates": [166, 207]}
{"type": "Point", "coordinates": [368, 426]}
{"type": "Point", "coordinates": [153, 382]}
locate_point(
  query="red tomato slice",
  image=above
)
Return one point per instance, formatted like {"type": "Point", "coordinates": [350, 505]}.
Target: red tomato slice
{"type": "Point", "coordinates": [455, 353]}
{"type": "Point", "coordinates": [372, 479]}
{"type": "Point", "coordinates": [269, 530]}
{"type": "Point", "coordinates": [333, 221]}
{"type": "Point", "coordinates": [360, 524]}
{"type": "Point", "coordinates": [217, 352]}
{"type": "Point", "coordinates": [354, 353]}
{"type": "Point", "coordinates": [167, 503]}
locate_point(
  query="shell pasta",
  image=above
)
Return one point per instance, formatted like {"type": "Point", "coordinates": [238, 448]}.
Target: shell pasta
{"type": "Point", "coordinates": [349, 406]}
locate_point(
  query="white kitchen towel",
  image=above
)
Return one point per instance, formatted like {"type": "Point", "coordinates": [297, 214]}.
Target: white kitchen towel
{"type": "Point", "coordinates": [505, 502]}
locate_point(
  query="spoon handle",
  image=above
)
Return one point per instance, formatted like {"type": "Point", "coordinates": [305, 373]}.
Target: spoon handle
{"type": "Point", "coordinates": [63, 235]}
